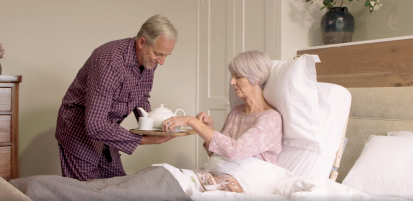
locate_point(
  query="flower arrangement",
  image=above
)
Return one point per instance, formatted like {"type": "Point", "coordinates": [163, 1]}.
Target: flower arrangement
{"type": "Point", "coordinates": [1, 54]}
{"type": "Point", "coordinates": [1, 51]}
{"type": "Point", "coordinates": [329, 4]}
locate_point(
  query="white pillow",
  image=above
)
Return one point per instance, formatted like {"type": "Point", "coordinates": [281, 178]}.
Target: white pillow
{"type": "Point", "coordinates": [400, 133]}
{"type": "Point", "coordinates": [334, 107]}
{"type": "Point", "coordinates": [292, 89]}
{"type": "Point", "coordinates": [384, 168]}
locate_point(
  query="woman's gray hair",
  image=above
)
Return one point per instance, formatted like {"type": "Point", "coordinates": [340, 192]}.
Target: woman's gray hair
{"type": "Point", "coordinates": [154, 27]}
{"type": "Point", "coordinates": [253, 65]}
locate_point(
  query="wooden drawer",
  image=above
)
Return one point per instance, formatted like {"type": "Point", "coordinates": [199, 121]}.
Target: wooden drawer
{"type": "Point", "coordinates": [5, 162]}
{"type": "Point", "coordinates": [9, 126]}
{"type": "Point", "coordinates": [5, 131]}
{"type": "Point", "coordinates": [5, 99]}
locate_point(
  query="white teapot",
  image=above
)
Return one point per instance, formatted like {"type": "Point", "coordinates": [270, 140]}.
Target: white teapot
{"type": "Point", "coordinates": [160, 114]}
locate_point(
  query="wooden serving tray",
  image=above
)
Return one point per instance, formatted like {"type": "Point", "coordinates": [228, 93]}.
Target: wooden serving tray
{"type": "Point", "coordinates": [161, 133]}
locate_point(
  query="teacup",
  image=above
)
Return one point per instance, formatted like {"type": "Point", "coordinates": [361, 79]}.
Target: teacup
{"type": "Point", "coordinates": [178, 129]}
{"type": "Point", "coordinates": [145, 123]}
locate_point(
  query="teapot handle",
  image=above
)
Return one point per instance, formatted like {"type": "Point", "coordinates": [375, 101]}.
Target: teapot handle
{"type": "Point", "coordinates": [181, 111]}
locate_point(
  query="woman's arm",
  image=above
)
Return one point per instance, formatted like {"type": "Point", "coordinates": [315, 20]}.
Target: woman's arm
{"type": "Point", "coordinates": [203, 130]}
{"type": "Point", "coordinates": [203, 118]}
{"type": "Point", "coordinates": [206, 147]}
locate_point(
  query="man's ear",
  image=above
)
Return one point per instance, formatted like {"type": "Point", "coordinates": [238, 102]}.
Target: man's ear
{"type": "Point", "coordinates": [141, 42]}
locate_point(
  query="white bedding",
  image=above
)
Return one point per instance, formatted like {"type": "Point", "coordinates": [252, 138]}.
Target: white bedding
{"type": "Point", "coordinates": [9, 192]}
{"type": "Point", "coordinates": [265, 181]}
{"type": "Point", "coordinates": [334, 108]}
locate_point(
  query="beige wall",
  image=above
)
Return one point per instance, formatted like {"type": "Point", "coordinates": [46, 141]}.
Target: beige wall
{"type": "Point", "coordinates": [392, 20]}
{"type": "Point", "coordinates": [48, 41]}
{"type": "Point", "coordinates": [299, 27]}
{"type": "Point", "coordinates": [300, 23]}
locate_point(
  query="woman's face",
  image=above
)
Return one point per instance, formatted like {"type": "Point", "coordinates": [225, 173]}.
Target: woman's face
{"type": "Point", "coordinates": [242, 85]}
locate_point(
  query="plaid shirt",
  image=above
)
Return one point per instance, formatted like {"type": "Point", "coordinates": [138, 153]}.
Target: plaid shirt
{"type": "Point", "coordinates": [105, 91]}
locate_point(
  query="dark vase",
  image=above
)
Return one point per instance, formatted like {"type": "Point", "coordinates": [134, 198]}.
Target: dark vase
{"type": "Point", "coordinates": [337, 26]}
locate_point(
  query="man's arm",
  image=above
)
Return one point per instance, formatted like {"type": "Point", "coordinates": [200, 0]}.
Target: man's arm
{"type": "Point", "coordinates": [155, 139]}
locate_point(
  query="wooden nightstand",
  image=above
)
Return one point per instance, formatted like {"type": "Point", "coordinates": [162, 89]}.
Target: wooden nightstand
{"type": "Point", "coordinates": [9, 126]}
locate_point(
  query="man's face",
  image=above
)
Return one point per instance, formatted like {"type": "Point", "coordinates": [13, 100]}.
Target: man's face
{"type": "Point", "coordinates": [151, 55]}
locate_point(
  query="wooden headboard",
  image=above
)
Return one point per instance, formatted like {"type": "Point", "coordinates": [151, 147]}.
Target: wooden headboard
{"type": "Point", "coordinates": [375, 63]}
{"type": "Point", "coordinates": [379, 76]}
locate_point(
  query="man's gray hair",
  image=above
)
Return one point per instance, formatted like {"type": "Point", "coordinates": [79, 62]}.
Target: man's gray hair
{"type": "Point", "coordinates": [253, 65]}
{"type": "Point", "coordinates": [154, 27]}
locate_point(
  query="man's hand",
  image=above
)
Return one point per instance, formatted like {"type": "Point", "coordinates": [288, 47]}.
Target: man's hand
{"type": "Point", "coordinates": [155, 139]}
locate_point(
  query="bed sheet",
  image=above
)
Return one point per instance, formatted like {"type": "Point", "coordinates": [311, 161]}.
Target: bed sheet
{"type": "Point", "coordinates": [265, 181]}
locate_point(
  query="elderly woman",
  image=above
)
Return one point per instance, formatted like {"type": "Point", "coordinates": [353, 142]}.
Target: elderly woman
{"type": "Point", "coordinates": [253, 129]}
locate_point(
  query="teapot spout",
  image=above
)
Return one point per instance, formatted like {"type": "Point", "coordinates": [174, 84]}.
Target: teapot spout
{"type": "Point", "coordinates": [144, 113]}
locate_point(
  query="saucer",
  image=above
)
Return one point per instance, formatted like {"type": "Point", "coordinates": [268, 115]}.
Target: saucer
{"type": "Point", "coordinates": [183, 132]}
{"type": "Point", "coordinates": [153, 129]}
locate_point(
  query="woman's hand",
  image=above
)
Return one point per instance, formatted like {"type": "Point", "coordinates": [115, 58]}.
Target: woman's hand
{"type": "Point", "coordinates": [170, 124]}
{"type": "Point", "coordinates": [207, 120]}
{"type": "Point", "coordinates": [201, 124]}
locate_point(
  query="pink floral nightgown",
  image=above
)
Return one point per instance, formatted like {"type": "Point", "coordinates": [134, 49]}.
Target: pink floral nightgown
{"type": "Point", "coordinates": [254, 134]}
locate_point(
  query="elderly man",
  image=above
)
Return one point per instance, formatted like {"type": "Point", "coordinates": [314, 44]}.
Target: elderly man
{"type": "Point", "coordinates": [115, 80]}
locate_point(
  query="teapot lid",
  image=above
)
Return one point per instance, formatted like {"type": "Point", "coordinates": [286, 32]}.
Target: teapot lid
{"type": "Point", "coordinates": [161, 109]}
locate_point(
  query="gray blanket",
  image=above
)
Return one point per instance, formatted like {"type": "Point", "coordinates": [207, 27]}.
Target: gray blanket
{"type": "Point", "coordinates": [152, 183]}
